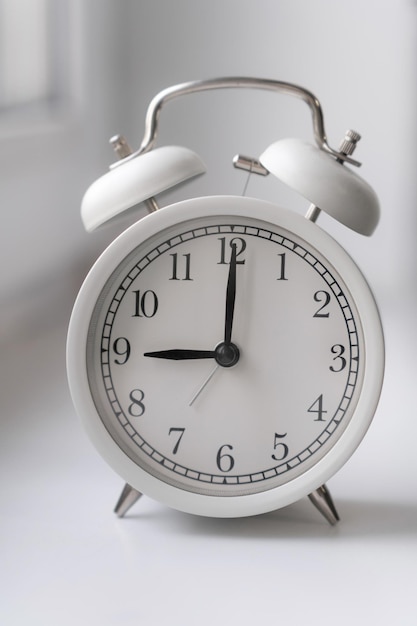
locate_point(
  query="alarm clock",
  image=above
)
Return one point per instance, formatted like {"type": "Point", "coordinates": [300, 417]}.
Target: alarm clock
{"type": "Point", "coordinates": [225, 354]}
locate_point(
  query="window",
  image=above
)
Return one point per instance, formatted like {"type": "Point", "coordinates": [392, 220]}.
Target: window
{"type": "Point", "coordinates": [34, 66]}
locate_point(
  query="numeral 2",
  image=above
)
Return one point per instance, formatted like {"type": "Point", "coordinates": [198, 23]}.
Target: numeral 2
{"type": "Point", "coordinates": [322, 297]}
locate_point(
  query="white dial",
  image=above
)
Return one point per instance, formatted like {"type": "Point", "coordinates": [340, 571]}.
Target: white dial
{"type": "Point", "coordinates": [226, 355]}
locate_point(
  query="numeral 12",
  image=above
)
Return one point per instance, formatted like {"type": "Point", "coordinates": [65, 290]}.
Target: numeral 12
{"type": "Point", "coordinates": [240, 247]}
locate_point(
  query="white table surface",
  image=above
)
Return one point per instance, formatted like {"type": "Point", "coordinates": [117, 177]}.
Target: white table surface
{"type": "Point", "coordinates": [66, 560]}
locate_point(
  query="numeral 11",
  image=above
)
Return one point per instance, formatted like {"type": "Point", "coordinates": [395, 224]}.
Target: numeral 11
{"type": "Point", "coordinates": [186, 273]}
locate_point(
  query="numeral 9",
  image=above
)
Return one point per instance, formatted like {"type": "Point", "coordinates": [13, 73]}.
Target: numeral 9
{"type": "Point", "coordinates": [121, 347]}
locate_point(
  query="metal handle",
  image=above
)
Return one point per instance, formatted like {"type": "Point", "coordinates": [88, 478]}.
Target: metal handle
{"type": "Point", "coordinates": [156, 104]}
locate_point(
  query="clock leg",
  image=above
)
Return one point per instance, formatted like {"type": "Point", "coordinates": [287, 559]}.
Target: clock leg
{"type": "Point", "coordinates": [322, 500]}
{"type": "Point", "coordinates": [127, 499]}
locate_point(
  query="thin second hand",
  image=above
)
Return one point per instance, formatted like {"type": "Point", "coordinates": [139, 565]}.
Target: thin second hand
{"type": "Point", "coordinates": [208, 379]}
{"type": "Point", "coordinates": [245, 188]}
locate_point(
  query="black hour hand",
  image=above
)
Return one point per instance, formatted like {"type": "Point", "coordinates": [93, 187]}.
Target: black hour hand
{"type": "Point", "coordinates": [181, 355]}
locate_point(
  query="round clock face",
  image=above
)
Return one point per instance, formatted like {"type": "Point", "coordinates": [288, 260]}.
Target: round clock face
{"type": "Point", "coordinates": [225, 355]}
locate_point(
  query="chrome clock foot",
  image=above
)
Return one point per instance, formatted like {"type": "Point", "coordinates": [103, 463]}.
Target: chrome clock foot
{"type": "Point", "coordinates": [322, 500]}
{"type": "Point", "coordinates": [127, 499]}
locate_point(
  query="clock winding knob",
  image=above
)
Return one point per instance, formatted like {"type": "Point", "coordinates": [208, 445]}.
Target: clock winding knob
{"type": "Point", "coordinates": [348, 143]}
{"type": "Point", "coordinates": [120, 146]}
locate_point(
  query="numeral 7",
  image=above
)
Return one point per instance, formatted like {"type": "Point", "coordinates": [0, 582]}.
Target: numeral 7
{"type": "Point", "coordinates": [181, 433]}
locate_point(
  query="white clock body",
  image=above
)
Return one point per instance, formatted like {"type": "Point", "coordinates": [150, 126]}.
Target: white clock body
{"type": "Point", "coordinates": [281, 418]}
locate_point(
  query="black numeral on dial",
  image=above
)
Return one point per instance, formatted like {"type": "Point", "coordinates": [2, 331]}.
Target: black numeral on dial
{"type": "Point", "coordinates": [181, 270]}
{"type": "Point", "coordinates": [318, 408]}
{"type": "Point", "coordinates": [340, 362]}
{"type": "Point", "coordinates": [281, 448]}
{"type": "Point", "coordinates": [283, 259]}
{"type": "Point", "coordinates": [121, 347]}
{"type": "Point", "coordinates": [137, 407]}
{"type": "Point", "coordinates": [146, 303]}
{"type": "Point", "coordinates": [323, 298]}
{"type": "Point", "coordinates": [226, 251]}
{"type": "Point", "coordinates": [179, 432]}
{"type": "Point", "coordinates": [225, 461]}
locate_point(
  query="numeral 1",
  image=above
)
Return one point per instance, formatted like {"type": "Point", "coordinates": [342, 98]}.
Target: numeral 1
{"type": "Point", "coordinates": [186, 275]}
{"type": "Point", "coordinates": [283, 259]}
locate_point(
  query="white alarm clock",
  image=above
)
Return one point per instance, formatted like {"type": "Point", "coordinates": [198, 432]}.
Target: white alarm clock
{"type": "Point", "coordinates": [225, 354]}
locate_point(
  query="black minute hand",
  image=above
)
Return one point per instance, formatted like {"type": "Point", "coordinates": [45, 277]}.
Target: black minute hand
{"type": "Point", "coordinates": [230, 297]}
{"type": "Point", "coordinates": [181, 355]}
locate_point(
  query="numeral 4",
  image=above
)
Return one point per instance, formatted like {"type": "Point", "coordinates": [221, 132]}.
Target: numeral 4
{"type": "Point", "coordinates": [317, 407]}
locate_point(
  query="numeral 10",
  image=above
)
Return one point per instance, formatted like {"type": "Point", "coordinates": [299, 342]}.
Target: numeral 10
{"type": "Point", "coordinates": [146, 303]}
